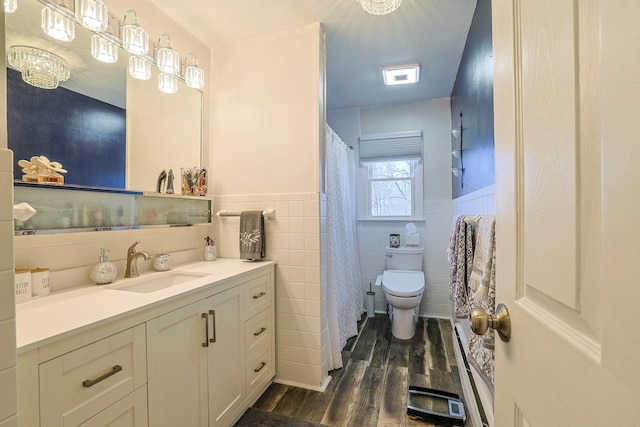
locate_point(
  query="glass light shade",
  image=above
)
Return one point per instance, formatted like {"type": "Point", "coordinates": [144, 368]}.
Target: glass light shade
{"type": "Point", "coordinates": [92, 14]}
{"type": "Point", "coordinates": [139, 68]}
{"type": "Point", "coordinates": [103, 50]}
{"type": "Point", "coordinates": [10, 6]}
{"type": "Point", "coordinates": [39, 68]}
{"type": "Point", "coordinates": [168, 60]}
{"type": "Point", "coordinates": [194, 77]}
{"type": "Point", "coordinates": [58, 26]}
{"type": "Point", "coordinates": [135, 39]}
{"type": "Point", "coordinates": [379, 7]}
{"type": "Point", "coordinates": [167, 83]}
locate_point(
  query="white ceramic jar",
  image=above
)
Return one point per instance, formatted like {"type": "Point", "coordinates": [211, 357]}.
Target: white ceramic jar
{"type": "Point", "coordinates": [162, 262]}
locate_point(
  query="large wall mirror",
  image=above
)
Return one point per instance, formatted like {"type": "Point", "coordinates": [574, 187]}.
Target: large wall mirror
{"type": "Point", "coordinates": [106, 128]}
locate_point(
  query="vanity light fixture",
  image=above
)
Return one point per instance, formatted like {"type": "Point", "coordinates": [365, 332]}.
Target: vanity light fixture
{"type": "Point", "coordinates": [167, 83]}
{"type": "Point", "coordinates": [379, 7]}
{"type": "Point", "coordinates": [193, 75]}
{"type": "Point", "coordinates": [10, 6]}
{"type": "Point", "coordinates": [401, 74]}
{"type": "Point", "coordinates": [167, 59]}
{"type": "Point", "coordinates": [39, 68]}
{"type": "Point", "coordinates": [92, 14]}
{"type": "Point", "coordinates": [134, 38]}
{"type": "Point", "coordinates": [457, 171]}
{"type": "Point", "coordinates": [103, 49]}
{"type": "Point", "coordinates": [456, 132]}
{"type": "Point", "coordinates": [56, 25]}
{"type": "Point", "coordinates": [139, 68]}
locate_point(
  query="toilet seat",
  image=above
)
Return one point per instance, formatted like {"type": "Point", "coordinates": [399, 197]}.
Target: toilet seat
{"type": "Point", "coordinates": [403, 283]}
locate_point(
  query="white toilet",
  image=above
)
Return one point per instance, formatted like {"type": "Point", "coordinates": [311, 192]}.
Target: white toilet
{"type": "Point", "coordinates": [403, 285]}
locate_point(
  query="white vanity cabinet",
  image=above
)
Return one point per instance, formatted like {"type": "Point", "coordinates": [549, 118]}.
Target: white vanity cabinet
{"type": "Point", "coordinates": [196, 363]}
{"type": "Point", "coordinates": [197, 358]}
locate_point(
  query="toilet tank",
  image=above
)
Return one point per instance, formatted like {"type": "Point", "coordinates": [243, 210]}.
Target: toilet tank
{"type": "Point", "coordinates": [404, 258]}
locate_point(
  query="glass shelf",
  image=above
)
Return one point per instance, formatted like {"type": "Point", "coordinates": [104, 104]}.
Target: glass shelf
{"type": "Point", "coordinates": [77, 208]}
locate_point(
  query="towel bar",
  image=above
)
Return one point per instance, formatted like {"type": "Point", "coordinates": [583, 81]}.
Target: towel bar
{"type": "Point", "coordinates": [268, 214]}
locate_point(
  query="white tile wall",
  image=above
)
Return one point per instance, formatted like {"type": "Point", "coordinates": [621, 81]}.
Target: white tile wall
{"type": "Point", "coordinates": [8, 400]}
{"type": "Point", "coordinates": [70, 256]}
{"type": "Point", "coordinates": [294, 240]}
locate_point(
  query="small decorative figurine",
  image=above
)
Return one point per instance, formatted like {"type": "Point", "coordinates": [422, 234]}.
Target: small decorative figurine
{"type": "Point", "coordinates": [170, 182]}
{"type": "Point", "coordinates": [161, 178]}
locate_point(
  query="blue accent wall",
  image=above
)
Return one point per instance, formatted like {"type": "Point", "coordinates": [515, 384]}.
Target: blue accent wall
{"type": "Point", "coordinates": [473, 96]}
{"type": "Point", "coordinates": [86, 135]}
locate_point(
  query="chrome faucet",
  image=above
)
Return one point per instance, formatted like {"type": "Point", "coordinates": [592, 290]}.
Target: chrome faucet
{"type": "Point", "coordinates": [132, 260]}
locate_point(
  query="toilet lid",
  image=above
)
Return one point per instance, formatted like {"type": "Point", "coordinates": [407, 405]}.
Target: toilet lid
{"type": "Point", "coordinates": [403, 283]}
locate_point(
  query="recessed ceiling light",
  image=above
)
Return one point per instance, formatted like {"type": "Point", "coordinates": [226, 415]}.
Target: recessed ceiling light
{"type": "Point", "coordinates": [401, 74]}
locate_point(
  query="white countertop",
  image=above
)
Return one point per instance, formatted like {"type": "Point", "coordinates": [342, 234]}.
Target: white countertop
{"type": "Point", "coordinates": [61, 314]}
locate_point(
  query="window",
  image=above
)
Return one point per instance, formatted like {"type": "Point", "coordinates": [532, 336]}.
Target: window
{"type": "Point", "coordinates": [390, 176]}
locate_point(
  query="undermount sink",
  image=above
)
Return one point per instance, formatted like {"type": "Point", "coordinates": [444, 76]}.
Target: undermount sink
{"type": "Point", "coordinates": [156, 282]}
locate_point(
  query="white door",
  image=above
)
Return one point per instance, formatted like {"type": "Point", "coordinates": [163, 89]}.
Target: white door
{"type": "Point", "coordinates": [567, 114]}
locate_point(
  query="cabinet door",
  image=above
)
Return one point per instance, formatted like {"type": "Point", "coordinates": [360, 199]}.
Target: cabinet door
{"type": "Point", "coordinates": [226, 357]}
{"type": "Point", "coordinates": [177, 368]}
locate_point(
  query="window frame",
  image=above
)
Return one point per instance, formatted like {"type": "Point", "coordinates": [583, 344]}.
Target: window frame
{"type": "Point", "coordinates": [364, 191]}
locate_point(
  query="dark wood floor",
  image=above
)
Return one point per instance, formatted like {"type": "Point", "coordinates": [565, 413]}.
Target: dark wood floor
{"type": "Point", "coordinates": [371, 389]}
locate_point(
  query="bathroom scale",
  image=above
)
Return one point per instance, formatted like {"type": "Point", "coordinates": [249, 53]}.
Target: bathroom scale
{"type": "Point", "coordinates": [435, 405]}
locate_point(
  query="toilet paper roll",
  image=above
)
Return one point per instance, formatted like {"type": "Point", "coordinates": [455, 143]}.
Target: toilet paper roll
{"type": "Point", "coordinates": [371, 311]}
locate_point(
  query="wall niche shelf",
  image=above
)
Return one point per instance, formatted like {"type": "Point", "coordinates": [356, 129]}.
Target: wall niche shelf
{"type": "Point", "coordinates": [72, 208]}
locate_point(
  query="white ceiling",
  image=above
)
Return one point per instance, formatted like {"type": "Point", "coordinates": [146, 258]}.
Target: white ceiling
{"type": "Point", "coordinates": [430, 32]}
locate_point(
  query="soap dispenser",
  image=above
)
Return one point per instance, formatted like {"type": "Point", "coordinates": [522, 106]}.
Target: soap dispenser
{"type": "Point", "coordinates": [103, 272]}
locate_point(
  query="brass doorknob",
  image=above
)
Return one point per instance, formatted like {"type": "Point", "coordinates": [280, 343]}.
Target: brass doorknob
{"type": "Point", "coordinates": [481, 321]}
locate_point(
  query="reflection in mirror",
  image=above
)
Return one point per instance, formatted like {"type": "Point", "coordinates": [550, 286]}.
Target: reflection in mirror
{"type": "Point", "coordinates": [106, 128]}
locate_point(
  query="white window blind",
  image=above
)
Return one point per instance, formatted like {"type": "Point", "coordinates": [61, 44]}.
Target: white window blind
{"type": "Point", "coordinates": [385, 146]}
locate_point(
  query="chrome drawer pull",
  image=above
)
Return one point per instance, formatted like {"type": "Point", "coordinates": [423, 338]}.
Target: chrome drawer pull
{"type": "Point", "coordinates": [262, 365]}
{"type": "Point", "coordinates": [213, 316]}
{"type": "Point", "coordinates": [91, 383]}
{"type": "Point", "coordinates": [255, 334]}
{"type": "Point", "coordinates": [205, 316]}
{"type": "Point", "coordinates": [261, 294]}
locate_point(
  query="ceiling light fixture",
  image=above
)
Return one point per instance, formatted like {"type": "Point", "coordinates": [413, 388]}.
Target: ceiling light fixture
{"type": "Point", "coordinates": [10, 6]}
{"type": "Point", "coordinates": [56, 25]}
{"type": "Point", "coordinates": [92, 14]}
{"type": "Point", "coordinates": [401, 74]}
{"type": "Point", "coordinates": [193, 75]}
{"type": "Point", "coordinates": [39, 68]}
{"type": "Point", "coordinates": [379, 7]}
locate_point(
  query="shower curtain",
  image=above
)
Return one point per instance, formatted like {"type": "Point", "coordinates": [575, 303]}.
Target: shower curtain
{"type": "Point", "coordinates": [344, 283]}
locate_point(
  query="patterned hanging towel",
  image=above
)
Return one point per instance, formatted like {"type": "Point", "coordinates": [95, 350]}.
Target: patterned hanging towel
{"type": "Point", "coordinates": [252, 242]}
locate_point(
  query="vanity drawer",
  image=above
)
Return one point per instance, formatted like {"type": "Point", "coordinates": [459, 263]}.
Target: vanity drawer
{"type": "Point", "coordinates": [257, 331]}
{"type": "Point", "coordinates": [77, 385]}
{"type": "Point", "coordinates": [260, 367]}
{"type": "Point", "coordinates": [131, 411]}
{"type": "Point", "coordinates": [259, 295]}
